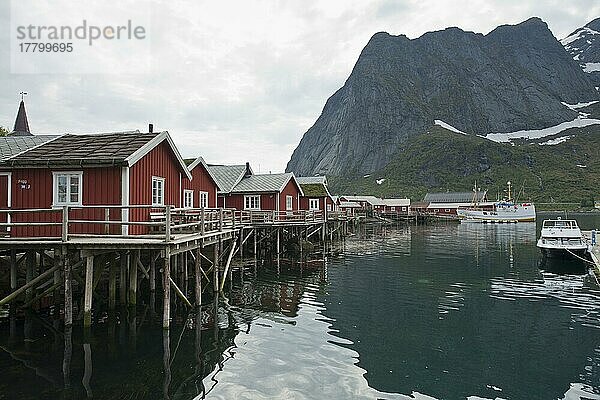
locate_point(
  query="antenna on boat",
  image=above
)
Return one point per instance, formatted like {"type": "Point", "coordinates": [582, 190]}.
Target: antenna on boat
{"type": "Point", "coordinates": [509, 194]}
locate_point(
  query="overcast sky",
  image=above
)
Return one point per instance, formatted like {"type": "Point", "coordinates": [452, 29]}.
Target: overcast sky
{"type": "Point", "coordinates": [238, 81]}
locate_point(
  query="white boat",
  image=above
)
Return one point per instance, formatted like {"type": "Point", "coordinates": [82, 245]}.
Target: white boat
{"type": "Point", "coordinates": [561, 237]}
{"type": "Point", "coordinates": [505, 211]}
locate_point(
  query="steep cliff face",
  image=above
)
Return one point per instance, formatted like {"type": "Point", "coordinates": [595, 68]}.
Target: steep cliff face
{"type": "Point", "coordinates": [511, 79]}
{"type": "Point", "coordinates": [584, 46]}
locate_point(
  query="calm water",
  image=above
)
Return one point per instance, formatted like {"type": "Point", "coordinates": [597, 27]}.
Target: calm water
{"type": "Point", "coordinates": [444, 311]}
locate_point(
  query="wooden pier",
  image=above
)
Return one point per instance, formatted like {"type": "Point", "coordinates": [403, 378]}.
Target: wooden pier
{"type": "Point", "coordinates": [178, 247]}
{"type": "Point", "coordinates": [593, 240]}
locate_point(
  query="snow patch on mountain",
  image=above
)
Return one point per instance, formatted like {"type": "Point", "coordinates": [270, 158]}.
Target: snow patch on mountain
{"type": "Point", "coordinates": [591, 67]}
{"type": "Point", "coordinates": [553, 142]}
{"type": "Point", "coordinates": [447, 126]}
{"type": "Point", "coordinates": [540, 133]}
{"type": "Point", "coordinates": [579, 105]}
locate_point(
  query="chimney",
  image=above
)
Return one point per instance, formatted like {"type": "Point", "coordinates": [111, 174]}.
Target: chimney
{"type": "Point", "coordinates": [151, 128]}
{"type": "Point", "coordinates": [248, 170]}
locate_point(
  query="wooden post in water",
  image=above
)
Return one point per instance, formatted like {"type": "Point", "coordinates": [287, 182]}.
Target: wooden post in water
{"type": "Point", "coordinates": [152, 273]}
{"type": "Point", "coordinates": [167, 288]}
{"type": "Point", "coordinates": [112, 285]}
{"type": "Point", "coordinates": [123, 278]}
{"type": "Point", "coordinates": [13, 270]}
{"type": "Point", "coordinates": [241, 244]}
{"type": "Point", "coordinates": [88, 289]}
{"type": "Point", "coordinates": [133, 267]}
{"type": "Point", "coordinates": [68, 289]}
{"type": "Point", "coordinates": [29, 266]}
{"type": "Point", "coordinates": [216, 269]}
{"type": "Point", "coordinates": [278, 243]}
{"type": "Point", "coordinates": [198, 277]}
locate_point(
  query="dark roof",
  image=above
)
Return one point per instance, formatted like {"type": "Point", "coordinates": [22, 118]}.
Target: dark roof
{"type": "Point", "coordinates": [13, 145]}
{"type": "Point", "coordinates": [263, 183]}
{"type": "Point", "coordinates": [90, 149]}
{"type": "Point", "coordinates": [21, 127]}
{"type": "Point", "coordinates": [314, 190]}
{"type": "Point", "coordinates": [454, 197]}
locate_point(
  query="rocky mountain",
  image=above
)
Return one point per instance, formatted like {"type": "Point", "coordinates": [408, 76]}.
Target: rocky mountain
{"type": "Point", "coordinates": [584, 46]}
{"type": "Point", "coordinates": [514, 78]}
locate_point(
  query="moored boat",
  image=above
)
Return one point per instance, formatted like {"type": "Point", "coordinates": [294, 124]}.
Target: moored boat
{"type": "Point", "coordinates": [561, 238]}
{"type": "Point", "coordinates": [505, 211]}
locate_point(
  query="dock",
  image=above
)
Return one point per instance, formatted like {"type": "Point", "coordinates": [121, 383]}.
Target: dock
{"type": "Point", "coordinates": [98, 257]}
{"type": "Point", "coordinates": [593, 248]}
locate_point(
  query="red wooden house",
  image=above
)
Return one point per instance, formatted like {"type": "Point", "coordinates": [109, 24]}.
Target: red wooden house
{"type": "Point", "coordinates": [201, 190]}
{"type": "Point", "coordinates": [243, 190]}
{"type": "Point", "coordinates": [123, 168]}
{"type": "Point", "coordinates": [316, 194]}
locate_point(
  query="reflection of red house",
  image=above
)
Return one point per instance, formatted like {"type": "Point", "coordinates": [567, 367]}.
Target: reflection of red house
{"type": "Point", "coordinates": [241, 189]}
{"type": "Point", "coordinates": [316, 195]}
{"type": "Point", "coordinates": [125, 168]}
{"type": "Point", "coordinates": [201, 190]}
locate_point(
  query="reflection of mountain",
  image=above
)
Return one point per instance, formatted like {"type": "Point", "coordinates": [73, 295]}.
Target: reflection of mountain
{"type": "Point", "coordinates": [430, 322]}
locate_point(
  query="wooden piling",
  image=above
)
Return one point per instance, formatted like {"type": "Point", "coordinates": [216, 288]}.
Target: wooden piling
{"type": "Point", "coordinates": [68, 306]}
{"type": "Point", "coordinates": [133, 267]}
{"type": "Point", "coordinates": [29, 266]}
{"type": "Point", "coordinates": [216, 269]}
{"type": "Point", "coordinates": [89, 286]}
{"type": "Point", "coordinates": [198, 277]}
{"type": "Point", "coordinates": [112, 286]}
{"type": "Point", "coordinates": [167, 288]}
{"type": "Point", "coordinates": [13, 270]}
{"type": "Point", "coordinates": [152, 273]}
{"type": "Point", "coordinates": [123, 278]}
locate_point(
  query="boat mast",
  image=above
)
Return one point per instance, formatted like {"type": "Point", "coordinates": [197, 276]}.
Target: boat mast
{"type": "Point", "coordinates": [509, 194]}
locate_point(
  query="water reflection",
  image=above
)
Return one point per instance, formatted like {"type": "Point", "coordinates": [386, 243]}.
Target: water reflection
{"type": "Point", "coordinates": [439, 311]}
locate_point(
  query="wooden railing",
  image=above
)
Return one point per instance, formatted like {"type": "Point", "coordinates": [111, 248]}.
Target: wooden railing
{"type": "Point", "coordinates": [137, 222]}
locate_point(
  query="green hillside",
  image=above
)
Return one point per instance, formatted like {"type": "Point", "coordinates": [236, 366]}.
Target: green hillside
{"type": "Point", "coordinates": [441, 160]}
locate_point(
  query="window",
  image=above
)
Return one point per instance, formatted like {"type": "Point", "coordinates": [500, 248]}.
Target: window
{"type": "Point", "coordinates": [313, 204]}
{"type": "Point", "coordinates": [328, 207]}
{"type": "Point", "coordinates": [67, 187]}
{"type": "Point", "coordinates": [188, 198]}
{"type": "Point", "coordinates": [158, 191]}
{"type": "Point", "coordinates": [289, 202]}
{"type": "Point", "coordinates": [403, 208]}
{"type": "Point", "coordinates": [204, 199]}
{"type": "Point", "coordinates": [252, 202]}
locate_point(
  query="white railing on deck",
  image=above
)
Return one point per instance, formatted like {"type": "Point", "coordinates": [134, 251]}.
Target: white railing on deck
{"type": "Point", "coordinates": [162, 222]}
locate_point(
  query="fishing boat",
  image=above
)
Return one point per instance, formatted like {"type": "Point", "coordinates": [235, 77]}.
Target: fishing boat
{"type": "Point", "coordinates": [503, 211]}
{"type": "Point", "coordinates": [561, 237]}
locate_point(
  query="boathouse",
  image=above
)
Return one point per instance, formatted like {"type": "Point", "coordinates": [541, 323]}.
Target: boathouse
{"type": "Point", "coordinates": [367, 203]}
{"type": "Point", "coordinates": [446, 204]}
{"type": "Point", "coordinates": [202, 190]}
{"type": "Point", "coordinates": [120, 168]}
{"type": "Point", "coordinates": [395, 207]}
{"type": "Point", "coordinates": [227, 177]}
{"type": "Point", "coordinates": [316, 194]}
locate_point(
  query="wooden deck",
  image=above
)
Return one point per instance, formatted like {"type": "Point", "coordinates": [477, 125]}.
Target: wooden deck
{"type": "Point", "coordinates": [165, 225]}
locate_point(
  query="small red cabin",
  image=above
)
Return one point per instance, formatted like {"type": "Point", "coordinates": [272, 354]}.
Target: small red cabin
{"type": "Point", "coordinates": [316, 194]}
{"type": "Point", "coordinates": [201, 190]}
{"type": "Point", "coordinates": [120, 169]}
{"type": "Point", "coordinates": [241, 189]}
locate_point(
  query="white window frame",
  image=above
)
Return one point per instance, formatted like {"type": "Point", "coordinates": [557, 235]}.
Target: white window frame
{"type": "Point", "coordinates": [68, 174]}
{"type": "Point", "coordinates": [311, 204]}
{"type": "Point", "coordinates": [204, 199]}
{"type": "Point", "coordinates": [329, 207]}
{"type": "Point", "coordinates": [161, 201]}
{"type": "Point", "coordinates": [188, 198]}
{"type": "Point", "coordinates": [252, 202]}
{"type": "Point", "coordinates": [289, 202]}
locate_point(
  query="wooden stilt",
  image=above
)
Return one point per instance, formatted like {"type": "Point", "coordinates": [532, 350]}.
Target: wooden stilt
{"type": "Point", "coordinates": [278, 243]}
{"type": "Point", "coordinates": [133, 267]}
{"type": "Point", "coordinates": [216, 269]}
{"type": "Point", "coordinates": [241, 244]}
{"type": "Point", "coordinates": [123, 278]}
{"type": "Point", "coordinates": [68, 289]}
{"type": "Point", "coordinates": [57, 276]}
{"type": "Point", "coordinates": [87, 303]}
{"type": "Point", "coordinates": [167, 289]}
{"type": "Point", "coordinates": [112, 286]}
{"type": "Point", "coordinates": [152, 273]}
{"type": "Point", "coordinates": [29, 266]}
{"type": "Point", "coordinates": [198, 277]}
{"type": "Point", "coordinates": [66, 366]}
{"type": "Point", "coordinates": [13, 270]}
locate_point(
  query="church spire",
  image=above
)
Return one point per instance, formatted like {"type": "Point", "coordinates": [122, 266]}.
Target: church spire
{"type": "Point", "coordinates": [21, 123]}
